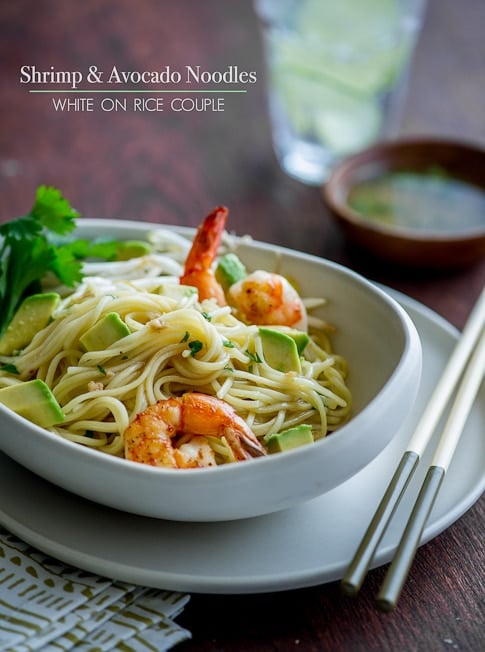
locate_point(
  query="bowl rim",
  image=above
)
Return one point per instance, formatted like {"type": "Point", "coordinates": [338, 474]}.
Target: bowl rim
{"type": "Point", "coordinates": [380, 152]}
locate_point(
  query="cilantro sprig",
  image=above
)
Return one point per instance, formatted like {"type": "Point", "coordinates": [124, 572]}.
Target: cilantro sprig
{"type": "Point", "coordinates": [29, 250]}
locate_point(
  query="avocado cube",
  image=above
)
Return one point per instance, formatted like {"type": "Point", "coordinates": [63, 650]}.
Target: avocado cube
{"type": "Point", "coordinates": [229, 270]}
{"type": "Point", "coordinates": [291, 438]}
{"type": "Point", "coordinates": [132, 249]}
{"type": "Point", "coordinates": [280, 350]}
{"type": "Point", "coordinates": [32, 316]}
{"type": "Point", "coordinates": [34, 401]}
{"type": "Point", "coordinates": [301, 338]}
{"type": "Point", "coordinates": [105, 332]}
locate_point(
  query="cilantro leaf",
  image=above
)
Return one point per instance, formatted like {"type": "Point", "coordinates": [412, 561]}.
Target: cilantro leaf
{"type": "Point", "coordinates": [81, 249]}
{"type": "Point", "coordinates": [26, 255]}
{"type": "Point", "coordinates": [66, 267]}
{"type": "Point", "coordinates": [36, 244]}
{"type": "Point", "coordinates": [52, 211]}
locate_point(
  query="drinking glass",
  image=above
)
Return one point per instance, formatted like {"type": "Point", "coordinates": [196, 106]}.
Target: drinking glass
{"type": "Point", "coordinates": [336, 75]}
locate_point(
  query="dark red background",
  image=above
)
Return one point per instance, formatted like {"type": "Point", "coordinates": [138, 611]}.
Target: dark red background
{"type": "Point", "coordinates": [173, 168]}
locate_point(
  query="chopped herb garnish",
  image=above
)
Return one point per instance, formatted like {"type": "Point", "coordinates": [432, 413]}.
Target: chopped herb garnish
{"type": "Point", "coordinates": [9, 368]}
{"type": "Point", "coordinates": [195, 346]}
{"type": "Point", "coordinates": [207, 316]}
{"type": "Point", "coordinates": [185, 337]}
{"type": "Point", "coordinates": [228, 344]}
{"type": "Point", "coordinates": [101, 369]}
{"type": "Point", "coordinates": [253, 356]}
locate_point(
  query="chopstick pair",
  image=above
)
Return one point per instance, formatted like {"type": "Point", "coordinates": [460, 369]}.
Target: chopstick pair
{"type": "Point", "coordinates": [470, 347]}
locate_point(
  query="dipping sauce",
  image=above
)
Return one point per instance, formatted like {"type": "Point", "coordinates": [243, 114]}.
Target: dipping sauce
{"type": "Point", "coordinates": [431, 200]}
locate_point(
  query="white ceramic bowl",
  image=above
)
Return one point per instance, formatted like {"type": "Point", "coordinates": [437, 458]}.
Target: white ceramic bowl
{"type": "Point", "coordinates": [383, 351]}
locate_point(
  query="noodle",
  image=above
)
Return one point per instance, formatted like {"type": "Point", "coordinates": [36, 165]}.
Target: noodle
{"type": "Point", "coordinates": [175, 345]}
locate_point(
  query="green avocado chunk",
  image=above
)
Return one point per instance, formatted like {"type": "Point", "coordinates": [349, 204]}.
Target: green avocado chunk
{"type": "Point", "coordinates": [132, 249]}
{"type": "Point", "coordinates": [281, 348]}
{"type": "Point", "coordinates": [301, 338]}
{"type": "Point", "coordinates": [291, 438]}
{"type": "Point", "coordinates": [229, 270]}
{"type": "Point", "coordinates": [32, 316]}
{"type": "Point", "coordinates": [34, 401]}
{"type": "Point", "coordinates": [105, 332]}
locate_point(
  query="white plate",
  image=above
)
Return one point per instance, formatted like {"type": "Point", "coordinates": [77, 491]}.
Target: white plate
{"type": "Point", "coordinates": [303, 546]}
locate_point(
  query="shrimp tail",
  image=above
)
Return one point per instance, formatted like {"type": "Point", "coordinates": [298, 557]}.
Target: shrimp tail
{"type": "Point", "coordinates": [244, 446]}
{"type": "Point", "coordinates": [207, 240]}
{"type": "Point", "coordinates": [197, 270]}
{"type": "Point", "coordinates": [207, 415]}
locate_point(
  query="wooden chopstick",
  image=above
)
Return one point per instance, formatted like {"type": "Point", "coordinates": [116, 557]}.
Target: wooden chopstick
{"type": "Point", "coordinates": [364, 555]}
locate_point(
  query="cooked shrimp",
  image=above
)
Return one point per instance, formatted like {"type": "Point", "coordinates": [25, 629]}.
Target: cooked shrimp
{"type": "Point", "coordinates": [151, 436]}
{"type": "Point", "coordinates": [197, 271]}
{"type": "Point", "coordinates": [269, 299]}
{"type": "Point", "coordinates": [260, 298]}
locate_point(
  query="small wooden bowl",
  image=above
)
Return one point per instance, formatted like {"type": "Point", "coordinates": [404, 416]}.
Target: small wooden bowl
{"type": "Point", "coordinates": [406, 246]}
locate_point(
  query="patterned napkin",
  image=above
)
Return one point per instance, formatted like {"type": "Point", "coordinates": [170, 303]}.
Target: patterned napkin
{"type": "Point", "coordinates": [46, 605]}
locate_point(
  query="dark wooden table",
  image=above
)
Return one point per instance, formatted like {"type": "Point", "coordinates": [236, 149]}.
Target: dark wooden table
{"type": "Point", "coordinates": [173, 167]}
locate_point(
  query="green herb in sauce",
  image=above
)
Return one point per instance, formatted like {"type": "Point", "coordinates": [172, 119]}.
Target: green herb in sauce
{"type": "Point", "coordinates": [427, 201]}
